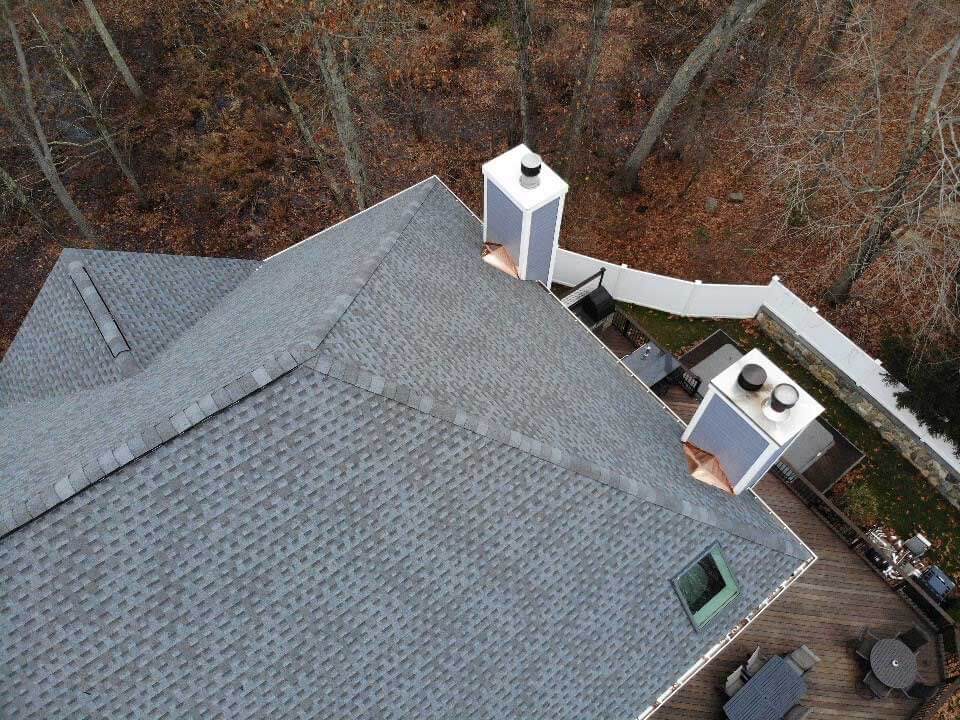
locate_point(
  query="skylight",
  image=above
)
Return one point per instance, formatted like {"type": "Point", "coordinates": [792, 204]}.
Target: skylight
{"type": "Point", "coordinates": [706, 586]}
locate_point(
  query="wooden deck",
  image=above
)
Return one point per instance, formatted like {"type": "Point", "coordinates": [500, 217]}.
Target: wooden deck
{"type": "Point", "coordinates": [825, 609]}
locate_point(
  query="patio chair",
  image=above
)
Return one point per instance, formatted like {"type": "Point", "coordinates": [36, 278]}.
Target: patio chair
{"type": "Point", "coordinates": [803, 658]}
{"type": "Point", "coordinates": [865, 643]}
{"type": "Point", "coordinates": [798, 712]}
{"type": "Point", "coordinates": [920, 691]}
{"type": "Point", "coordinates": [914, 638]}
{"type": "Point", "coordinates": [873, 683]}
{"type": "Point", "coordinates": [754, 663]}
{"type": "Point", "coordinates": [734, 682]}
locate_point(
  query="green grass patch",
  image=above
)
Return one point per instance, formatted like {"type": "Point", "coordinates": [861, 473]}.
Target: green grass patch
{"type": "Point", "coordinates": [884, 488]}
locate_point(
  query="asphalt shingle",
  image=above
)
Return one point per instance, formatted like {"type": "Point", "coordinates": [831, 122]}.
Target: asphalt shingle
{"type": "Point", "coordinates": [322, 551]}
{"type": "Point", "coordinates": [364, 482]}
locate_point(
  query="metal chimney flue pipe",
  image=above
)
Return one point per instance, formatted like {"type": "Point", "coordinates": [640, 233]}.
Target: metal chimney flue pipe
{"type": "Point", "coordinates": [530, 171]}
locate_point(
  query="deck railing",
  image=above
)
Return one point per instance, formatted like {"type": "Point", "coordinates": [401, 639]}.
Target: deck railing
{"type": "Point", "coordinates": [629, 329]}
{"type": "Point", "coordinates": [713, 300]}
{"type": "Point", "coordinates": [944, 626]}
{"type": "Point", "coordinates": [821, 505]}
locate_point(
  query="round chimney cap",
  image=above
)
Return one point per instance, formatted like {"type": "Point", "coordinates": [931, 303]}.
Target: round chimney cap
{"type": "Point", "coordinates": [530, 170]}
{"type": "Point", "coordinates": [752, 377]}
{"type": "Point", "coordinates": [530, 164]}
{"type": "Point", "coordinates": [784, 397]}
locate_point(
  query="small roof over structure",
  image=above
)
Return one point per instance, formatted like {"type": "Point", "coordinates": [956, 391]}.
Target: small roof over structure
{"type": "Point", "coordinates": [369, 476]}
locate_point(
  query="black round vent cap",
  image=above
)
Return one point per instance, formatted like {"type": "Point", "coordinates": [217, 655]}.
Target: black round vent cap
{"type": "Point", "coordinates": [530, 165]}
{"type": "Point", "coordinates": [752, 377]}
{"type": "Point", "coordinates": [784, 397]}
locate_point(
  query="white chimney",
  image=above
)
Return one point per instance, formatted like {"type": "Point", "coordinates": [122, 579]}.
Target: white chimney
{"type": "Point", "coordinates": [750, 414]}
{"type": "Point", "coordinates": [522, 208]}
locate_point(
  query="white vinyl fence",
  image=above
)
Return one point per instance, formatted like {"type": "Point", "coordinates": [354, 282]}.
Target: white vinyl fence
{"type": "Point", "coordinates": [696, 299]}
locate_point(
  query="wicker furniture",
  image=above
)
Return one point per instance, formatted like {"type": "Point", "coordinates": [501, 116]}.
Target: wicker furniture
{"type": "Point", "coordinates": [914, 638]}
{"type": "Point", "coordinates": [893, 663]}
{"type": "Point", "coordinates": [769, 694]}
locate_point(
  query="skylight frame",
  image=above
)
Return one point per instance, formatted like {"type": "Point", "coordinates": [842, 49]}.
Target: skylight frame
{"type": "Point", "coordinates": [702, 618]}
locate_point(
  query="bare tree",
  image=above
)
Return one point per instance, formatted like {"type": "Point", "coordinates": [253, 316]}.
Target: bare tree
{"type": "Point", "coordinates": [36, 139]}
{"type": "Point", "coordinates": [75, 78]}
{"type": "Point", "coordinates": [19, 197]}
{"type": "Point", "coordinates": [826, 53]}
{"type": "Point", "coordinates": [113, 51]}
{"type": "Point", "coordinates": [305, 130]}
{"type": "Point", "coordinates": [887, 213]}
{"type": "Point", "coordinates": [339, 100]}
{"type": "Point", "coordinates": [584, 86]}
{"type": "Point", "coordinates": [522, 30]}
{"type": "Point", "coordinates": [739, 14]}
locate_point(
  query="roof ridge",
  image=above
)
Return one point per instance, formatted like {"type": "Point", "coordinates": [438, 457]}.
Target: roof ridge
{"type": "Point", "coordinates": [356, 375]}
{"type": "Point", "coordinates": [125, 356]}
{"type": "Point", "coordinates": [51, 492]}
{"type": "Point", "coordinates": [332, 315]}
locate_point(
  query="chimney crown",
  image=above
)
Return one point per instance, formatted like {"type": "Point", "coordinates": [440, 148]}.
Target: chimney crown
{"type": "Point", "coordinates": [780, 425]}
{"type": "Point", "coordinates": [506, 172]}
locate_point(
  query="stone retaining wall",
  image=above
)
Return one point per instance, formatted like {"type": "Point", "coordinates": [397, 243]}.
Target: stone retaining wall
{"type": "Point", "coordinates": [892, 430]}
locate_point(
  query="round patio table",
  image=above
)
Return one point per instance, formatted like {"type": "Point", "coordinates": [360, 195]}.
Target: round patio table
{"type": "Point", "coordinates": [893, 663]}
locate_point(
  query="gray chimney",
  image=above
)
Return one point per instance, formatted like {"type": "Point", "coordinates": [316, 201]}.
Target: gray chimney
{"type": "Point", "coordinates": [749, 416]}
{"type": "Point", "coordinates": [522, 208]}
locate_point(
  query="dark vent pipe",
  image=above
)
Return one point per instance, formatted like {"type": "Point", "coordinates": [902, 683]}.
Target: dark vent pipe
{"type": "Point", "coordinates": [784, 397]}
{"type": "Point", "coordinates": [752, 377]}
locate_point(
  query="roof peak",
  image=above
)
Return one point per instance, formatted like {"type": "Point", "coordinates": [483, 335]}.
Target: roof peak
{"type": "Point", "coordinates": [358, 376]}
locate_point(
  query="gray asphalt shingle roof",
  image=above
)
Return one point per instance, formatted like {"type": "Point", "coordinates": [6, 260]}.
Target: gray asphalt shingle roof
{"type": "Point", "coordinates": [410, 500]}
{"type": "Point", "coordinates": [153, 298]}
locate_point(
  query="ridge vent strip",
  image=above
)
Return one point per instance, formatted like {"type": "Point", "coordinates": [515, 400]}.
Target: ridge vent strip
{"type": "Point", "coordinates": [98, 309]}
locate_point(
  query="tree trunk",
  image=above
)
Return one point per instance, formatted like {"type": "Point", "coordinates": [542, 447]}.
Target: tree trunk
{"type": "Point", "coordinates": [46, 165]}
{"type": "Point", "coordinates": [520, 15]}
{"type": "Point", "coordinates": [584, 87]}
{"type": "Point", "coordinates": [694, 112]}
{"type": "Point", "coordinates": [826, 53]}
{"type": "Point", "coordinates": [16, 192]}
{"type": "Point", "coordinates": [24, 71]}
{"type": "Point", "coordinates": [737, 16]}
{"type": "Point", "coordinates": [343, 118]}
{"type": "Point", "coordinates": [881, 228]}
{"type": "Point", "coordinates": [305, 130]}
{"type": "Point", "coordinates": [80, 87]}
{"type": "Point", "coordinates": [113, 50]}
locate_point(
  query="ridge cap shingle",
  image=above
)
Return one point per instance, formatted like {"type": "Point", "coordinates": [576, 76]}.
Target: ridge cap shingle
{"type": "Point", "coordinates": [358, 376]}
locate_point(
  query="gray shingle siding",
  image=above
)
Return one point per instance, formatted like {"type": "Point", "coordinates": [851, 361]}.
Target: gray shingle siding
{"type": "Point", "coordinates": [320, 546]}
{"type": "Point", "coordinates": [152, 298]}
{"type": "Point", "coordinates": [504, 221]}
{"type": "Point", "coordinates": [378, 478]}
{"type": "Point", "coordinates": [437, 318]}
{"type": "Point", "coordinates": [292, 298]}
{"type": "Point", "coordinates": [543, 227]}
{"type": "Point", "coordinates": [722, 432]}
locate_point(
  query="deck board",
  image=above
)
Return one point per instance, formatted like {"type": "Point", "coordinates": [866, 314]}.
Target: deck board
{"type": "Point", "coordinates": [825, 609]}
